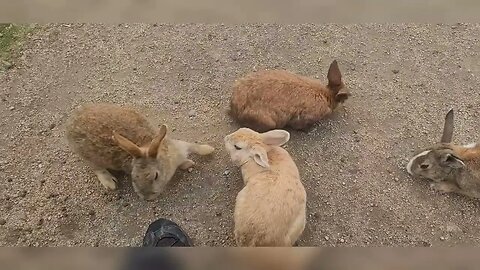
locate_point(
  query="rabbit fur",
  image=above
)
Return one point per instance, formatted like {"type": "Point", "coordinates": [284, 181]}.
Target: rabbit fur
{"type": "Point", "coordinates": [451, 167]}
{"type": "Point", "coordinates": [112, 137]}
{"type": "Point", "coordinates": [271, 99]}
{"type": "Point", "coordinates": [271, 208]}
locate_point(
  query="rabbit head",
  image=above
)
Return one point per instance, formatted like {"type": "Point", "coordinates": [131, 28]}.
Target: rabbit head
{"type": "Point", "coordinates": [336, 85]}
{"type": "Point", "coordinates": [246, 144]}
{"type": "Point", "coordinates": [438, 162]}
{"type": "Point", "coordinates": [146, 170]}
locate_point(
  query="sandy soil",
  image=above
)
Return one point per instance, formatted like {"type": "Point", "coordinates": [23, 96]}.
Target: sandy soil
{"type": "Point", "coordinates": [403, 78]}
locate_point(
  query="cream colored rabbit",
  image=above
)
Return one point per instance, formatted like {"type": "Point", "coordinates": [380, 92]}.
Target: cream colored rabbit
{"type": "Point", "coordinates": [271, 208]}
{"type": "Point", "coordinates": [111, 137]}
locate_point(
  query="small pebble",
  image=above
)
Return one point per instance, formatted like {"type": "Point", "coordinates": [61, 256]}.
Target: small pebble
{"type": "Point", "coordinates": [327, 238]}
{"type": "Point", "coordinates": [442, 238]}
{"type": "Point", "coordinates": [91, 212]}
{"type": "Point", "coordinates": [453, 228]}
{"type": "Point", "coordinates": [7, 65]}
{"type": "Point", "coordinates": [126, 204]}
{"type": "Point", "coordinates": [190, 170]}
{"type": "Point", "coordinates": [342, 240]}
{"type": "Point", "coordinates": [2, 221]}
{"type": "Point", "coordinates": [11, 108]}
{"type": "Point", "coordinates": [226, 172]}
{"type": "Point", "coordinates": [395, 71]}
{"type": "Point", "coordinates": [192, 113]}
{"type": "Point", "coordinates": [23, 193]}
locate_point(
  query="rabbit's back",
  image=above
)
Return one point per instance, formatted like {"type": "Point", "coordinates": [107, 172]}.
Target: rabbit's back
{"type": "Point", "coordinates": [280, 95]}
{"type": "Point", "coordinates": [90, 131]}
{"type": "Point", "coordinates": [271, 204]}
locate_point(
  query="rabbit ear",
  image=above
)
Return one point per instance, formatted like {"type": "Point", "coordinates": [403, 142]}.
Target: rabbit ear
{"type": "Point", "coordinates": [260, 156]}
{"type": "Point", "coordinates": [127, 145]}
{"type": "Point", "coordinates": [448, 128]}
{"type": "Point", "coordinates": [452, 161]}
{"type": "Point", "coordinates": [277, 137]}
{"type": "Point", "coordinates": [153, 148]}
{"type": "Point", "coordinates": [342, 95]}
{"type": "Point", "coordinates": [334, 76]}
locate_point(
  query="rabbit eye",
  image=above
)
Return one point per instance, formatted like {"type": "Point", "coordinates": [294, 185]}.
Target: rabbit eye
{"type": "Point", "coordinates": [156, 175]}
{"type": "Point", "coordinates": [237, 147]}
{"type": "Point", "coordinates": [424, 166]}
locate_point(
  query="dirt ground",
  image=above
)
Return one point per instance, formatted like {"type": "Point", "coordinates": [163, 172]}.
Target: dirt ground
{"type": "Point", "coordinates": [403, 80]}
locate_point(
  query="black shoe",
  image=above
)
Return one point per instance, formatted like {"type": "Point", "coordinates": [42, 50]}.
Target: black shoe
{"type": "Point", "coordinates": [165, 233]}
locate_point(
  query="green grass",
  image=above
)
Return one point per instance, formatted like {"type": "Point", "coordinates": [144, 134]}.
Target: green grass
{"type": "Point", "coordinates": [11, 39]}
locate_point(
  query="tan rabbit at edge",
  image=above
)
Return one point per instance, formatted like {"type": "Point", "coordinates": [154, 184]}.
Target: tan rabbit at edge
{"type": "Point", "coordinates": [271, 99]}
{"type": "Point", "coordinates": [451, 167]}
{"type": "Point", "coordinates": [112, 137]}
{"type": "Point", "coordinates": [271, 208]}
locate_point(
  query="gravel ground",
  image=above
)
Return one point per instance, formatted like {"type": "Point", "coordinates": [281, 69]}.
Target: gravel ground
{"type": "Point", "coordinates": [403, 78]}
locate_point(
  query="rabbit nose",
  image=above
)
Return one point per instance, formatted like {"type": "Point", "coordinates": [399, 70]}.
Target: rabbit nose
{"type": "Point", "coordinates": [149, 197]}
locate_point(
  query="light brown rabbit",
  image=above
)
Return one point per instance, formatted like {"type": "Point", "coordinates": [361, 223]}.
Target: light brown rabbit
{"type": "Point", "coordinates": [111, 137]}
{"type": "Point", "coordinates": [271, 208]}
{"type": "Point", "coordinates": [451, 167]}
{"type": "Point", "coordinates": [270, 99]}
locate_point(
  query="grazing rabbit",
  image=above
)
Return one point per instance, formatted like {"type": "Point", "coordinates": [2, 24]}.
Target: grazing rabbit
{"type": "Point", "coordinates": [270, 99]}
{"type": "Point", "coordinates": [451, 167]}
{"type": "Point", "coordinates": [110, 137]}
{"type": "Point", "coordinates": [270, 210]}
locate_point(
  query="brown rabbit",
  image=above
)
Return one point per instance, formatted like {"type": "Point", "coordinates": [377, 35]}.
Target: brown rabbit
{"type": "Point", "coordinates": [271, 99]}
{"type": "Point", "coordinates": [111, 137]}
{"type": "Point", "coordinates": [451, 167]}
{"type": "Point", "coordinates": [271, 208]}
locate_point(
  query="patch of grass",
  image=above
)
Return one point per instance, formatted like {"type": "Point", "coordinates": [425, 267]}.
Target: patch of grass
{"type": "Point", "coordinates": [11, 39]}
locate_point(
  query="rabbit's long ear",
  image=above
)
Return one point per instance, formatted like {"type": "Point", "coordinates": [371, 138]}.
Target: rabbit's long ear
{"type": "Point", "coordinates": [448, 128]}
{"type": "Point", "coordinates": [334, 77]}
{"type": "Point", "coordinates": [127, 145]}
{"type": "Point", "coordinates": [153, 148]}
{"type": "Point", "coordinates": [260, 156]}
{"type": "Point", "coordinates": [277, 137]}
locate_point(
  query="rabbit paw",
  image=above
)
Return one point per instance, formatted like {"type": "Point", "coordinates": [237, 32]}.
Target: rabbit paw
{"type": "Point", "coordinates": [443, 187]}
{"type": "Point", "coordinates": [107, 179]}
{"type": "Point", "coordinates": [187, 164]}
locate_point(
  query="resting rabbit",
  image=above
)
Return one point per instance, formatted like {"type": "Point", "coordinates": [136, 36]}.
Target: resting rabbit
{"type": "Point", "coordinates": [451, 167]}
{"type": "Point", "coordinates": [270, 99]}
{"type": "Point", "coordinates": [271, 208]}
